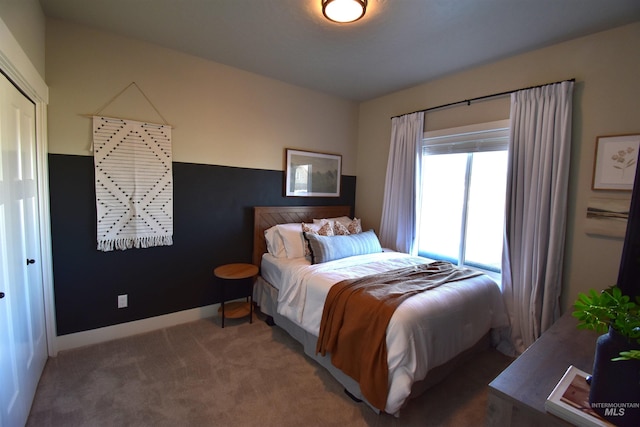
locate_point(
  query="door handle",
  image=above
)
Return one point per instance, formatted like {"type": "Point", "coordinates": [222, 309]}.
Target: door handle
{"type": "Point", "coordinates": [31, 261]}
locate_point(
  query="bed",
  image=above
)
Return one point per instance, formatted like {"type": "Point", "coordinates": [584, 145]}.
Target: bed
{"type": "Point", "coordinates": [429, 333]}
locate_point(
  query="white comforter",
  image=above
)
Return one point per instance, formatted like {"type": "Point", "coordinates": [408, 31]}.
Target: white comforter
{"type": "Point", "coordinates": [425, 331]}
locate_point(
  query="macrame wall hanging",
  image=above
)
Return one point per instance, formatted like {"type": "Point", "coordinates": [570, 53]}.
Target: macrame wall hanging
{"type": "Point", "coordinates": [134, 182]}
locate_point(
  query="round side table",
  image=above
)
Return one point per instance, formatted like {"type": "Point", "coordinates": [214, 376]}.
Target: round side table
{"type": "Point", "coordinates": [228, 274]}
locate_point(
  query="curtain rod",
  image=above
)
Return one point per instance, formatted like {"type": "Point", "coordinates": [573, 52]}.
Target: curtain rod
{"type": "Point", "coordinates": [481, 98]}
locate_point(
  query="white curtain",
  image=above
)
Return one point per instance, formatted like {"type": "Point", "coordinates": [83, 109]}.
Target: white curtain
{"type": "Point", "coordinates": [398, 223]}
{"type": "Point", "coordinates": [535, 212]}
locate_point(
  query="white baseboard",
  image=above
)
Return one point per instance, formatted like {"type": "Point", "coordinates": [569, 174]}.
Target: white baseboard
{"type": "Point", "coordinates": [95, 336]}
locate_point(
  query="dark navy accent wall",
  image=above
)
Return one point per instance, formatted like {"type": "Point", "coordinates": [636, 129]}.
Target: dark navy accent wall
{"type": "Point", "coordinates": [213, 225]}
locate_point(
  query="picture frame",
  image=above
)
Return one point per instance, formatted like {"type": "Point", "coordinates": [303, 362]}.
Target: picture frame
{"type": "Point", "coordinates": [312, 174]}
{"type": "Point", "coordinates": [616, 158]}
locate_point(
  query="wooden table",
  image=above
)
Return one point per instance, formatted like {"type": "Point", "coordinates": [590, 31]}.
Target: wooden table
{"type": "Point", "coordinates": [518, 394]}
{"type": "Point", "coordinates": [230, 273]}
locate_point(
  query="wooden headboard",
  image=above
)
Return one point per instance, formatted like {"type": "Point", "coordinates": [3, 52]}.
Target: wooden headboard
{"type": "Point", "coordinates": [268, 216]}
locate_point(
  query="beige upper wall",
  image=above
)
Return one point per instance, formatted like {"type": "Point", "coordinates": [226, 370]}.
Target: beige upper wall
{"type": "Point", "coordinates": [221, 115]}
{"type": "Point", "coordinates": [26, 21]}
{"type": "Point", "coordinates": [606, 67]}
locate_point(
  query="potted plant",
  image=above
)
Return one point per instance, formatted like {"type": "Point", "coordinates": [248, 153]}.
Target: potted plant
{"type": "Point", "coordinates": [615, 381]}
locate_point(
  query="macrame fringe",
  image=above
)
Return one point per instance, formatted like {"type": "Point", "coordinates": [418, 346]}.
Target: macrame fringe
{"type": "Point", "coordinates": [134, 242]}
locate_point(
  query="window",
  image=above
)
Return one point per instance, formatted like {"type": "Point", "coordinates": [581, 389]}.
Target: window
{"type": "Point", "coordinates": [463, 181]}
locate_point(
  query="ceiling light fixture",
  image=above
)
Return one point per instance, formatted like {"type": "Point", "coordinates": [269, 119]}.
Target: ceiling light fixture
{"type": "Point", "coordinates": [344, 10]}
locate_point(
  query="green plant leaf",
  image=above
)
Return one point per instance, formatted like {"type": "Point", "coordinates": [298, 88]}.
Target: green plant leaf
{"type": "Point", "coordinates": [599, 310]}
{"type": "Point", "coordinates": [628, 355]}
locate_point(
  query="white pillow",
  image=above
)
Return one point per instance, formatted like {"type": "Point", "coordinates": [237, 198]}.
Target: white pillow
{"type": "Point", "coordinates": [292, 238]}
{"type": "Point", "coordinates": [275, 245]}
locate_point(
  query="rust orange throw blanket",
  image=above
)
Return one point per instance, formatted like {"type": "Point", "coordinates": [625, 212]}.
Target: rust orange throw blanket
{"type": "Point", "coordinates": [356, 315]}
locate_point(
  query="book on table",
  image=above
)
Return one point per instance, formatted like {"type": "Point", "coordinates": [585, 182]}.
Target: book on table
{"type": "Point", "coordinates": [569, 400]}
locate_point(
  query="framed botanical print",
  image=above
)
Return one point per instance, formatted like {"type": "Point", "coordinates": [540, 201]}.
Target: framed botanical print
{"type": "Point", "coordinates": [615, 162]}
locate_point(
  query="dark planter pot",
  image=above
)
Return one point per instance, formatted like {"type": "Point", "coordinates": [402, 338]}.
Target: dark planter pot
{"type": "Point", "coordinates": [615, 386]}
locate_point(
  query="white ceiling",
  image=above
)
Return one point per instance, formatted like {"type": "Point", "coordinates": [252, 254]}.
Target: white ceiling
{"type": "Point", "coordinates": [398, 44]}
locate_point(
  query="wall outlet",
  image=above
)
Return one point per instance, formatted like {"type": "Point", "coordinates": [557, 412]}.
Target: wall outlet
{"type": "Point", "coordinates": [123, 301]}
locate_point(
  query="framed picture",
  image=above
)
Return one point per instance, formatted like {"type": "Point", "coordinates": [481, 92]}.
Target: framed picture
{"type": "Point", "coordinates": [615, 162]}
{"type": "Point", "coordinates": [310, 174]}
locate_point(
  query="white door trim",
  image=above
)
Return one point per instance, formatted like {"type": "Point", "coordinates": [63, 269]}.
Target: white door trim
{"type": "Point", "coordinates": [21, 71]}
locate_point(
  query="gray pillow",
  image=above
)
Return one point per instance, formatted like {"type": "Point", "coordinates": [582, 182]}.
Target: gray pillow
{"type": "Point", "coordinates": [329, 248]}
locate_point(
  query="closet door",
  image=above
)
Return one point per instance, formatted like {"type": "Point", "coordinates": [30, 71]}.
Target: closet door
{"type": "Point", "coordinates": [23, 349]}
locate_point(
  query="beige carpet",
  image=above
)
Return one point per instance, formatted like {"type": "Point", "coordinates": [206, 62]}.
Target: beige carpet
{"type": "Point", "coordinates": [199, 374]}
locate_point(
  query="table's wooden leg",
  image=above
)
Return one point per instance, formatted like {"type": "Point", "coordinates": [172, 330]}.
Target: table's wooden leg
{"type": "Point", "coordinates": [222, 289]}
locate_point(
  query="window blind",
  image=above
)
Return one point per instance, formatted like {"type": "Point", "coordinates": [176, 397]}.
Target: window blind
{"type": "Point", "coordinates": [469, 139]}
